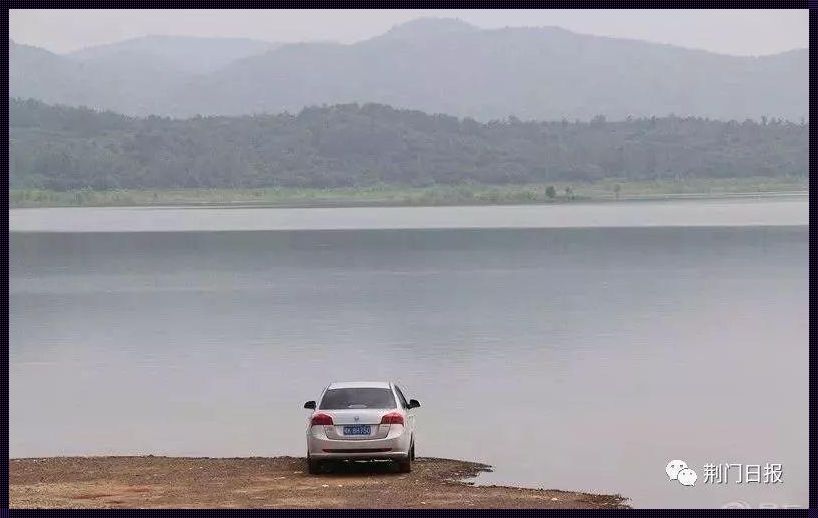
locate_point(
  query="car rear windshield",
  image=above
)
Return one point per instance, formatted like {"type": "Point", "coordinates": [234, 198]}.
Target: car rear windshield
{"type": "Point", "coordinates": [357, 398]}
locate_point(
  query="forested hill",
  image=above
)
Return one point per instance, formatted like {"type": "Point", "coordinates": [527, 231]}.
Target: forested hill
{"type": "Point", "coordinates": [61, 148]}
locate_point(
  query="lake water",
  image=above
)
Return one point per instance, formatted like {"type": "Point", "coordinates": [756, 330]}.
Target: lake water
{"type": "Point", "coordinates": [582, 355]}
{"type": "Point", "coordinates": [792, 210]}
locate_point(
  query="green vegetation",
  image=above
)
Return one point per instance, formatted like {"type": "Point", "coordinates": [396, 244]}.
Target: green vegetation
{"type": "Point", "coordinates": [61, 148]}
{"type": "Point", "coordinates": [376, 154]}
{"type": "Point", "coordinates": [467, 194]}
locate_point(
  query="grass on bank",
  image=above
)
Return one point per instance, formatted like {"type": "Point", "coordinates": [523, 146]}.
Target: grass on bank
{"type": "Point", "coordinates": [467, 194]}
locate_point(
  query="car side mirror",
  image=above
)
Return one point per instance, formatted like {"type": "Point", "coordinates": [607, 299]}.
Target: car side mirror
{"type": "Point", "coordinates": [310, 405]}
{"type": "Point", "coordinates": [414, 403]}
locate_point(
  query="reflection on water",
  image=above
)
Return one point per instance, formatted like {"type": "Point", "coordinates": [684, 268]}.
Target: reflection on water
{"type": "Point", "coordinates": [568, 358]}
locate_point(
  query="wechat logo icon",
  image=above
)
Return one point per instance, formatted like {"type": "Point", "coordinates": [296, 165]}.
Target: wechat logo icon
{"type": "Point", "coordinates": [678, 470]}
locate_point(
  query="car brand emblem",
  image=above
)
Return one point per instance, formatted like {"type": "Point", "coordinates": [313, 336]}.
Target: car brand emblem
{"type": "Point", "coordinates": [357, 418]}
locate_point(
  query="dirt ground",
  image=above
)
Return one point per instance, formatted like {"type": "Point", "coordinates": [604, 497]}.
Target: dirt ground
{"type": "Point", "coordinates": [280, 482]}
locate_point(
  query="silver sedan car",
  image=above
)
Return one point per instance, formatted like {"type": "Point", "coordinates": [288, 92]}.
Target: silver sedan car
{"type": "Point", "coordinates": [361, 420]}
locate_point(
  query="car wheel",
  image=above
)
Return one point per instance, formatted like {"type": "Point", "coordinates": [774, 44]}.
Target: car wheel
{"type": "Point", "coordinates": [313, 466]}
{"type": "Point", "coordinates": [405, 466]}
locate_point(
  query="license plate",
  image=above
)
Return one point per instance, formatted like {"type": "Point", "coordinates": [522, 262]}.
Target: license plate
{"type": "Point", "coordinates": [358, 429]}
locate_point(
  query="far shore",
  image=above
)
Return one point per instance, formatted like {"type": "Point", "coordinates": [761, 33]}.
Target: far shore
{"type": "Point", "coordinates": [271, 482]}
{"type": "Point", "coordinates": [440, 195]}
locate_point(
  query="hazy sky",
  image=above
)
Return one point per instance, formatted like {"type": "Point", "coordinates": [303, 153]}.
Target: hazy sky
{"type": "Point", "coordinates": [745, 32]}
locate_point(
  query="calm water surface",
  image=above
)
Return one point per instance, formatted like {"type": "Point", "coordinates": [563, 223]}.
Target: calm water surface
{"type": "Point", "coordinates": [573, 358]}
{"type": "Point", "coordinates": [791, 210]}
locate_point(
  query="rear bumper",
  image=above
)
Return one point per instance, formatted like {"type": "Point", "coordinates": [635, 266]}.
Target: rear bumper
{"type": "Point", "coordinates": [394, 446]}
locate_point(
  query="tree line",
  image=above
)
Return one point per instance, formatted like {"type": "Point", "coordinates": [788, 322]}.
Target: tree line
{"type": "Point", "coordinates": [63, 148]}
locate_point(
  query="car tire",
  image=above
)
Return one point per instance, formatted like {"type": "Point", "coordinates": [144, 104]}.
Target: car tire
{"type": "Point", "coordinates": [405, 466]}
{"type": "Point", "coordinates": [313, 466]}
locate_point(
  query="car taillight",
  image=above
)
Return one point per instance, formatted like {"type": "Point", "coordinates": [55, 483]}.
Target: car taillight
{"type": "Point", "coordinates": [321, 419]}
{"type": "Point", "coordinates": [392, 418]}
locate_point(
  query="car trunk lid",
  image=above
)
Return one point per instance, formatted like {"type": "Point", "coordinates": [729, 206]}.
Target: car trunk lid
{"type": "Point", "coordinates": [353, 417]}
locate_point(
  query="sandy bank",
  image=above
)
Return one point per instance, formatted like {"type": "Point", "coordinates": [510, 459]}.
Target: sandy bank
{"type": "Point", "coordinates": [279, 482]}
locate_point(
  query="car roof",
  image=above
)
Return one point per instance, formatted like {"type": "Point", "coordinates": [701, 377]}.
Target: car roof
{"type": "Point", "coordinates": [359, 384]}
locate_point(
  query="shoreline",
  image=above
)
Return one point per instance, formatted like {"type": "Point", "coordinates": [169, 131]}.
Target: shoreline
{"type": "Point", "coordinates": [271, 482]}
{"type": "Point", "coordinates": [444, 196]}
{"type": "Point", "coordinates": [244, 204]}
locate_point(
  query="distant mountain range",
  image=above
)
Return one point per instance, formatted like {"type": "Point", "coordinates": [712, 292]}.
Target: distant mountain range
{"type": "Point", "coordinates": [434, 65]}
{"type": "Point", "coordinates": [184, 53]}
